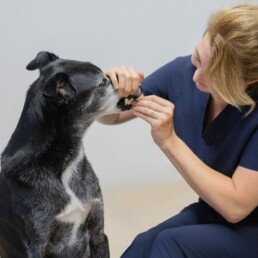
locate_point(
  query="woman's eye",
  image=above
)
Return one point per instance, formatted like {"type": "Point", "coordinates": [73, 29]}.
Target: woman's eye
{"type": "Point", "coordinates": [197, 62]}
{"type": "Point", "coordinates": [197, 59]}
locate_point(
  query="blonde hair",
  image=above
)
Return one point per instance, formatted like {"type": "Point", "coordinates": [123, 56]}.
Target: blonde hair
{"type": "Point", "coordinates": [233, 34]}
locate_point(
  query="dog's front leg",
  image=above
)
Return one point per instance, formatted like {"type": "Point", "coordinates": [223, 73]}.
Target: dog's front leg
{"type": "Point", "coordinates": [99, 247]}
{"type": "Point", "coordinates": [36, 251]}
{"type": "Point", "coordinates": [35, 239]}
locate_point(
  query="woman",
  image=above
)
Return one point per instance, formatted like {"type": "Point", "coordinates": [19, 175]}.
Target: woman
{"type": "Point", "coordinates": [204, 117]}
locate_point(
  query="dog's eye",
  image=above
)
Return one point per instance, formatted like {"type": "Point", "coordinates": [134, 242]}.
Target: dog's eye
{"type": "Point", "coordinates": [103, 83]}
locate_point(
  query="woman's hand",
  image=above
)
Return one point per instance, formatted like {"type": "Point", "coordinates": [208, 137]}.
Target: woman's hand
{"type": "Point", "coordinates": [125, 79]}
{"type": "Point", "coordinates": [158, 112]}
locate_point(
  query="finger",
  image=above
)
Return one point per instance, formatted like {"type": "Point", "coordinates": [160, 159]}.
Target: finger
{"type": "Point", "coordinates": [136, 78]}
{"type": "Point", "coordinates": [148, 119]}
{"type": "Point", "coordinates": [148, 104]}
{"type": "Point", "coordinates": [147, 112]}
{"type": "Point", "coordinates": [129, 83]}
{"type": "Point", "coordinates": [121, 81]}
{"type": "Point", "coordinates": [141, 75]}
{"type": "Point", "coordinates": [113, 78]}
{"type": "Point", "coordinates": [158, 100]}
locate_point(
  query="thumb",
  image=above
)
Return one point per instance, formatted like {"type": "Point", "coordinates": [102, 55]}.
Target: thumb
{"type": "Point", "coordinates": [141, 75]}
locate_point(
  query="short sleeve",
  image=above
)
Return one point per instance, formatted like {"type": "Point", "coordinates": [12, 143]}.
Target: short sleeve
{"type": "Point", "coordinates": [156, 83]}
{"type": "Point", "coordinates": [165, 82]}
{"type": "Point", "coordinates": [249, 157]}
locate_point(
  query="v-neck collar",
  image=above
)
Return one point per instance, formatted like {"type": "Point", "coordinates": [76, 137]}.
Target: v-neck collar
{"type": "Point", "coordinates": [222, 124]}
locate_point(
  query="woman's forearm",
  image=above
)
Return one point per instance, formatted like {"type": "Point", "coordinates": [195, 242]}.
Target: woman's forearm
{"type": "Point", "coordinates": [213, 187]}
{"type": "Point", "coordinates": [117, 118]}
{"type": "Point", "coordinates": [108, 119]}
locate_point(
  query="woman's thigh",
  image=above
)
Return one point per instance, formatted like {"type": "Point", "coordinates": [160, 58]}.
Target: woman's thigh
{"type": "Point", "coordinates": [142, 244]}
{"type": "Point", "coordinates": [206, 241]}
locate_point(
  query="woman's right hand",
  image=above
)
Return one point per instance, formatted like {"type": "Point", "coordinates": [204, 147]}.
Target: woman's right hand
{"type": "Point", "coordinates": [125, 79]}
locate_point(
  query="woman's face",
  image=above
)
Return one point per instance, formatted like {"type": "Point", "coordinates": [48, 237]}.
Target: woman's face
{"type": "Point", "coordinates": [200, 59]}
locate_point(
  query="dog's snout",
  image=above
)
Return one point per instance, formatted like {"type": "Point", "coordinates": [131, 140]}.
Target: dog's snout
{"type": "Point", "coordinates": [126, 103]}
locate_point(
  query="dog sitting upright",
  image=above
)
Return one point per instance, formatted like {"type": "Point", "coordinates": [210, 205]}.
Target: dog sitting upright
{"type": "Point", "coordinates": [51, 203]}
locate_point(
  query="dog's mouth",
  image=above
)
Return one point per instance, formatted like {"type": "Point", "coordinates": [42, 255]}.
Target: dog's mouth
{"type": "Point", "coordinates": [125, 103]}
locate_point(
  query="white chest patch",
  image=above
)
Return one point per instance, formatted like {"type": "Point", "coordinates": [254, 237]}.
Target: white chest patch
{"type": "Point", "coordinates": [75, 211]}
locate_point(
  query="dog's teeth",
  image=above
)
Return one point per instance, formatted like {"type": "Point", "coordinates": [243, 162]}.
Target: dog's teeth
{"type": "Point", "coordinates": [128, 101]}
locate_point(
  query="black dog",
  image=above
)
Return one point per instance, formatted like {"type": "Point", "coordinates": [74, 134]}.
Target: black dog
{"type": "Point", "coordinates": [51, 203]}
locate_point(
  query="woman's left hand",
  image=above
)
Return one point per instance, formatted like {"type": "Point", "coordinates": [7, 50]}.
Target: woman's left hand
{"type": "Point", "coordinates": [158, 112]}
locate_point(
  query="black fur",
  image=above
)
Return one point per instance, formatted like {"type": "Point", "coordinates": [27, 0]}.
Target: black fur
{"type": "Point", "coordinates": [60, 105]}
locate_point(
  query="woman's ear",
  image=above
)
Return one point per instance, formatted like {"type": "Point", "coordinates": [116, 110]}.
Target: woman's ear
{"type": "Point", "coordinates": [251, 82]}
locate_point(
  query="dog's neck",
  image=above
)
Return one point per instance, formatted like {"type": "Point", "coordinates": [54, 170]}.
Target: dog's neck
{"type": "Point", "coordinates": [44, 136]}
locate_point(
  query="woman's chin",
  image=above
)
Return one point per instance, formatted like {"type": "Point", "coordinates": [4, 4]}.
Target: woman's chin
{"type": "Point", "coordinates": [202, 87]}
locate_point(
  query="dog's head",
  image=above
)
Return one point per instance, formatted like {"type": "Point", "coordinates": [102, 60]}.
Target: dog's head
{"type": "Point", "coordinates": [80, 86]}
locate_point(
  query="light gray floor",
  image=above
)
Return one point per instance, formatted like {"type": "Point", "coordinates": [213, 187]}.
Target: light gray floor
{"type": "Point", "coordinates": [131, 210]}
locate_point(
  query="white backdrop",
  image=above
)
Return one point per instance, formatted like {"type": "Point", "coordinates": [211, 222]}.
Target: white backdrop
{"type": "Point", "coordinates": [141, 33]}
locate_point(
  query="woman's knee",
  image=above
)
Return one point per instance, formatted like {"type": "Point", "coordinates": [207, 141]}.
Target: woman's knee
{"type": "Point", "coordinates": [167, 244]}
{"type": "Point", "coordinates": [149, 236]}
{"type": "Point", "coordinates": [140, 239]}
{"type": "Point", "coordinates": [140, 246]}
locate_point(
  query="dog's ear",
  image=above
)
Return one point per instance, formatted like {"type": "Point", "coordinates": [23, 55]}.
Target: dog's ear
{"type": "Point", "coordinates": [41, 60]}
{"type": "Point", "coordinates": [58, 89]}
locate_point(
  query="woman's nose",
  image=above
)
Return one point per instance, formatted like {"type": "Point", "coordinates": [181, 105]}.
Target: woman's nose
{"type": "Point", "coordinates": [196, 76]}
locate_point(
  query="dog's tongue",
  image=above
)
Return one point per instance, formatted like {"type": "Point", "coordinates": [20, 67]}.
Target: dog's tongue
{"type": "Point", "coordinates": [126, 103]}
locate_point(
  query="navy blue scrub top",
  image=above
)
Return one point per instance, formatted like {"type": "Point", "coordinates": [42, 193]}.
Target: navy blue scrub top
{"type": "Point", "coordinates": [230, 140]}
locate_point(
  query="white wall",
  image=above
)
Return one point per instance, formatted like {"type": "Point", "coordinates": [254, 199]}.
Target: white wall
{"type": "Point", "coordinates": [143, 33]}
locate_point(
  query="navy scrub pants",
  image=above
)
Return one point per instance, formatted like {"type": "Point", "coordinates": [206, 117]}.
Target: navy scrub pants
{"type": "Point", "coordinates": [196, 232]}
